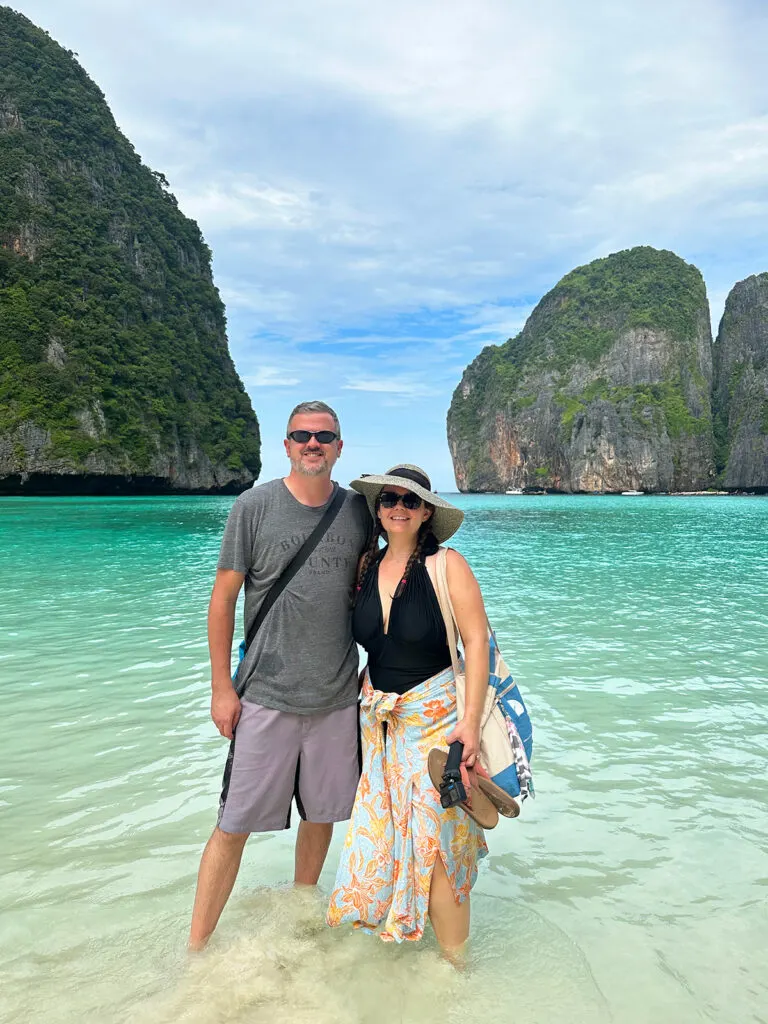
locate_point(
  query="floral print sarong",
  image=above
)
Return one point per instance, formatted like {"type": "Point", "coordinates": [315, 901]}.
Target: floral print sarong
{"type": "Point", "coordinates": [398, 826]}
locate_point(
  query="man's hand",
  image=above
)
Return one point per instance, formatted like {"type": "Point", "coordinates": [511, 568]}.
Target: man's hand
{"type": "Point", "coordinates": [225, 710]}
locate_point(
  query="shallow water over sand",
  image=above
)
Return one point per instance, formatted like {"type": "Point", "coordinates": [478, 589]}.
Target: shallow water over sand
{"type": "Point", "coordinates": [633, 888]}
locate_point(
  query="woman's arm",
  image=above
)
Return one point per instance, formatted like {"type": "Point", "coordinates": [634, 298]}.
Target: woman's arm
{"type": "Point", "coordinates": [473, 626]}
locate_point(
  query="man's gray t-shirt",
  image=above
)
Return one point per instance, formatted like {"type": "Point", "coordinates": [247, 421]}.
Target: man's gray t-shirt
{"type": "Point", "coordinates": [303, 658]}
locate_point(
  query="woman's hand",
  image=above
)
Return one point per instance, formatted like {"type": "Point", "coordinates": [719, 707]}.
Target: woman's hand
{"type": "Point", "coordinates": [468, 733]}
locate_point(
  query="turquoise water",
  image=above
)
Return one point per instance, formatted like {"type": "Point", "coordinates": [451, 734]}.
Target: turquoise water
{"type": "Point", "coordinates": [633, 889]}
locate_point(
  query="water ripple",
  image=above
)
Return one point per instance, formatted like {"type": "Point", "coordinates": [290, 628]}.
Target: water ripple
{"type": "Point", "coordinates": [633, 887]}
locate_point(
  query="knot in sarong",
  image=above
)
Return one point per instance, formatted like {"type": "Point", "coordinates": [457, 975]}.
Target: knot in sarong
{"type": "Point", "coordinates": [381, 706]}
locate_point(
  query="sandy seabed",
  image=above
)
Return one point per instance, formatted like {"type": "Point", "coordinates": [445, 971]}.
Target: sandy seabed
{"type": "Point", "coordinates": [286, 965]}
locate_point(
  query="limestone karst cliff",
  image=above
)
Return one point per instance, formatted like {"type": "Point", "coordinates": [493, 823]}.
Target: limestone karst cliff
{"type": "Point", "coordinates": [607, 387]}
{"type": "Point", "coordinates": [115, 373]}
{"type": "Point", "coordinates": [741, 386]}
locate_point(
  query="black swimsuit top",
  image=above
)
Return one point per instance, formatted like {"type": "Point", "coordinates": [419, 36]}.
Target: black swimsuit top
{"type": "Point", "coordinates": [416, 645]}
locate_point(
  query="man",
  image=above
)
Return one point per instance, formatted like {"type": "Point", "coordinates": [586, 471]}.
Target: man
{"type": "Point", "coordinates": [294, 733]}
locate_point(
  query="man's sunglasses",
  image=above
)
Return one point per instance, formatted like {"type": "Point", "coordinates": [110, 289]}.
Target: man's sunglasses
{"type": "Point", "coordinates": [323, 436]}
{"type": "Point", "coordinates": [389, 499]}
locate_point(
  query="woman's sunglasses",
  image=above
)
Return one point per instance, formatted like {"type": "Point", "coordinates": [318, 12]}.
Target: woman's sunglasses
{"type": "Point", "coordinates": [389, 499]}
{"type": "Point", "coordinates": [323, 436]}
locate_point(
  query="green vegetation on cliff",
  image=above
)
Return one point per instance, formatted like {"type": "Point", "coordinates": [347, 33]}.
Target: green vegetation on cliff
{"type": "Point", "coordinates": [112, 333]}
{"type": "Point", "coordinates": [663, 401]}
{"type": "Point", "coordinates": [740, 401]}
{"type": "Point", "coordinates": [580, 319]}
{"type": "Point", "coordinates": [636, 288]}
{"type": "Point", "coordinates": [618, 353]}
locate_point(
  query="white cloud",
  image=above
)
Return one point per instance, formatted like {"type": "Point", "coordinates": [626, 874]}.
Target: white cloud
{"type": "Point", "coordinates": [243, 204]}
{"type": "Point", "coordinates": [249, 297]}
{"type": "Point", "coordinates": [270, 377]}
{"type": "Point", "coordinates": [393, 386]}
{"type": "Point", "coordinates": [389, 186]}
{"type": "Point", "coordinates": [497, 322]}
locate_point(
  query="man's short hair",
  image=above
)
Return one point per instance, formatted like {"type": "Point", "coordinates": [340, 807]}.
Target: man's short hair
{"type": "Point", "coordinates": [304, 407]}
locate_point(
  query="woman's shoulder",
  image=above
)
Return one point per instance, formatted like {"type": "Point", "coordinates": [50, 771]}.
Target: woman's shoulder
{"type": "Point", "coordinates": [456, 565]}
{"type": "Point", "coordinates": [451, 554]}
{"type": "Point", "coordinates": [453, 557]}
{"type": "Point", "coordinates": [457, 569]}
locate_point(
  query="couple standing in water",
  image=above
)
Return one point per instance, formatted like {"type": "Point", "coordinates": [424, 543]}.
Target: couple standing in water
{"type": "Point", "coordinates": [292, 713]}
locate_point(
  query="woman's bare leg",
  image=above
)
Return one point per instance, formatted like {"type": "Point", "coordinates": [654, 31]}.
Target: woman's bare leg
{"type": "Point", "coordinates": [450, 919]}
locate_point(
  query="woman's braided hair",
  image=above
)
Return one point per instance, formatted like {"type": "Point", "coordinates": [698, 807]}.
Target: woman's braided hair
{"type": "Point", "coordinates": [424, 532]}
{"type": "Point", "coordinates": [370, 555]}
{"type": "Point", "coordinates": [424, 540]}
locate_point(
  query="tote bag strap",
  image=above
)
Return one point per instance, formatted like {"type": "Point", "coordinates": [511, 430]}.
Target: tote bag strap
{"type": "Point", "coordinates": [446, 607]}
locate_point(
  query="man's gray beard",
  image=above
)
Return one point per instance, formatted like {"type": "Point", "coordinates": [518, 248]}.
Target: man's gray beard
{"type": "Point", "coordinates": [298, 466]}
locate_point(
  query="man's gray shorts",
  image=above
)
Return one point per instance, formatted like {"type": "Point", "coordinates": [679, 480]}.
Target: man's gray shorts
{"type": "Point", "coordinates": [276, 755]}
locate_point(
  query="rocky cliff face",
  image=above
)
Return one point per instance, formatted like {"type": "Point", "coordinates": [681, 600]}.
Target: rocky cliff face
{"type": "Point", "coordinates": [607, 388]}
{"type": "Point", "coordinates": [741, 386]}
{"type": "Point", "coordinates": [115, 372]}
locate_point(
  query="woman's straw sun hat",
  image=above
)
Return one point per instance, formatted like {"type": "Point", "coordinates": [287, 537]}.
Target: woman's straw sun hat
{"type": "Point", "coordinates": [445, 520]}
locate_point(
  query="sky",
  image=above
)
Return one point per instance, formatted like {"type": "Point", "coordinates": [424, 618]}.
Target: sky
{"type": "Point", "coordinates": [388, 187]}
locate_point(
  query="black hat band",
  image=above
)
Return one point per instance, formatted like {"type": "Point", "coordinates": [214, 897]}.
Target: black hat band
{"type": "Point", "coordinates": [409, 474]}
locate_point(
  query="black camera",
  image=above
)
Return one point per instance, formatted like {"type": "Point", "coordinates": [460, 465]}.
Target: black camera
{"type": "Point", "coordinates": [452, 790]}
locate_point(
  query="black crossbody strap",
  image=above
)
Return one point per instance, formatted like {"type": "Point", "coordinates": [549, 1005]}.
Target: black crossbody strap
{"type": "Point", "coordinates": [296, 563]}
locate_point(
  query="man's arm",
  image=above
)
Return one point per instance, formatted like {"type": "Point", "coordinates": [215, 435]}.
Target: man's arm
{"type": "Point", "coordinates": [225, 704]}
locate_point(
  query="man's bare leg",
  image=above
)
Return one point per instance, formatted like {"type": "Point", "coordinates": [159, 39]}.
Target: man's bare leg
{"type": "Point", "coordinates": [312, 844]}
{"type": "Point", "coordinates": [217, 874]}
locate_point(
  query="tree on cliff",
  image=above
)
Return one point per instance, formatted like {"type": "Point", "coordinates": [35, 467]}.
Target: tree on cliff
{"type": "Point", "coordinates": [113, 350]}
{"type": "Point", "coordinates": [741, 386]}
{"type": "Point", "coordinates": [606, 388]}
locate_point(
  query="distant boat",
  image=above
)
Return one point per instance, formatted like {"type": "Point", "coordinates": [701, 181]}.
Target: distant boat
{"type": "Point", "coordinates": [633, 492]}
{"type": "Point", "coordinates": [514, 490]}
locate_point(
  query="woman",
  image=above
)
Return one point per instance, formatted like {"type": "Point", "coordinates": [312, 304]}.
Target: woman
{"type": "Point", "coordinates": [406, 857]}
